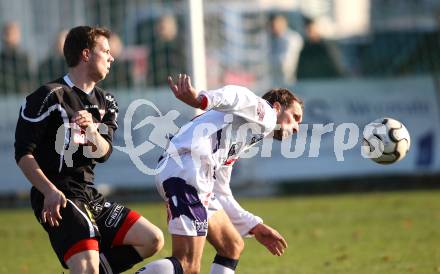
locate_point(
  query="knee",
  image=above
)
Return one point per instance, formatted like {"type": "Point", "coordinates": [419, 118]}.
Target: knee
{"type": "Point", "coordinates": [153, 244]}
{"type": "Point", "coordinates": [237, 247]}
{"type": "Point", "coordinates": [86, 262]}
{"type": "Point", "coordinates": [190, 266]}
{"type": "Point", "coordinates": [84, 267]}
{"type": "Point", "coordinates": [232, 249]}
{"type": "Point", "coordinates": [157, 241]}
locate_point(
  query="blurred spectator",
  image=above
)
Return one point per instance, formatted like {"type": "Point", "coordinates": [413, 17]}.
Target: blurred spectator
{"type": "Point", "coordinates": [167, 52]}
{"type": "Point", "coordinates": [55, 64]}
{"type": "Point", "coordinates": [285, 48]}
{"type": "Point", "coordinates": [15, 75]}
{"type": "Point", "coordinates": [121, 70]}
{"type": "Point", "coordinates": [319, 58]}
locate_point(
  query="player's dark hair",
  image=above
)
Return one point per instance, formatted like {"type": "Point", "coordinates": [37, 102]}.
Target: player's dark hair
{"type": "Point", "coordinates": [80, 38]}
{"type": "Point", "coordinates": [283, 96]}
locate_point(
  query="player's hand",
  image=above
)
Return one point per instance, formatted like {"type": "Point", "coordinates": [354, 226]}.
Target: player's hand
{"type": "Point", "coordinates": [184, 91]}
{"type": "Point", "coordinates": [53, 202]}
{"type": "Point", "coordinates": [84, 119]}
{"type": "Point", "coordinates": [270, 238]}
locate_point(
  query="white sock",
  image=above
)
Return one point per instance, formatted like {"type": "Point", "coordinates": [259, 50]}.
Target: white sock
{"type": "Point", "coordinates": [220, 269]}
{"type": "Point", "coordinates": [162, 266]}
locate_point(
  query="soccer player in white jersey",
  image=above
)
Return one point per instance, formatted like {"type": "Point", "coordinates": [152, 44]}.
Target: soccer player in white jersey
{"type": "Point", "coordinates": [194, 174]}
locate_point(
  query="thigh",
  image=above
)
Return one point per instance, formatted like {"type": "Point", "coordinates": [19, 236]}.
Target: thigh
{"type": "Point", "coordinates": [223, 235]}
{"type": "Point", "coordinates": [143, 232]}
{"type": "Point", "coordinates": [114, 223]}
{"type": "Point", "coordinates": [145, 237]}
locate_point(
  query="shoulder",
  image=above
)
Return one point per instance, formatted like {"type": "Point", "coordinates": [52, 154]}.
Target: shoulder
{"type": "Point", "coordinates": [233, 90]}
{"type": "Point", "coordinates": [99, 90]}
{"type": "Point", "coordinates": [55, 87]}
{"type": "Point", "coordinates": [43, 98]}
{"type": "Point", "coordinates": [48, 91]}
{"type": "Point", "coordinates": [236, 88]}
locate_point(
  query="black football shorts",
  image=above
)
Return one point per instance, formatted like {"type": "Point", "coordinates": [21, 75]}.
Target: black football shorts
{"type": "Point", "coordinates": [86, 227]}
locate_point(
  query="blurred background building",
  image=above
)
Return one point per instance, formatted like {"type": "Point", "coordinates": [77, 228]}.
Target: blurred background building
{"type": "Point", "coordinates": [352, 61]}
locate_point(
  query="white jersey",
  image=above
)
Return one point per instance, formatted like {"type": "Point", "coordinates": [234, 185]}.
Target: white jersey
{"type": "Point", "coordinates": [235, 119]}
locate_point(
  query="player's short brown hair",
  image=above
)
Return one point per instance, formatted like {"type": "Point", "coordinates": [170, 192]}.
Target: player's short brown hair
{"type": "Point", "coordinates": [80, 38]}
{"type": "Point", "coordinates": [283, 96]}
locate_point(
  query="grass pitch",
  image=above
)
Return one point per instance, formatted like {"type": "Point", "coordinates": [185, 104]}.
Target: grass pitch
{"type": "Point", "coordinates": [375, 233]}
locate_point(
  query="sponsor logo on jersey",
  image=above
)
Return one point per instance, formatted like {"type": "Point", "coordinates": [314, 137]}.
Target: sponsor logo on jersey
{"type": "Point", "coordinates": [260, 111]}
{"type": "Point", "coordinates": [90, 106]}
{"type": "Point", "coordinates": [96, 208]}
{"type": "Point", "coordinates": [115, 216]}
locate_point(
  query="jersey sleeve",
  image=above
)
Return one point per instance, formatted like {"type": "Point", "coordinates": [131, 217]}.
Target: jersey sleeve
{"type": "Point", "coordinates": [242, 102]}
{"type": "Point", "coordinates": [242, 219]}
{"type": "Point", "coordinates": [33, 120]}
{"type": "Point", "coordinates": [110, 121]}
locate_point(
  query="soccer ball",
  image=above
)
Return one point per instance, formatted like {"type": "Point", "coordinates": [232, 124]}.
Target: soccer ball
{"type": "Point", "coordinates": [386, 141]}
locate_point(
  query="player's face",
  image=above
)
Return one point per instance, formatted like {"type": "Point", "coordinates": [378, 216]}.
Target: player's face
{"type": "Point", "coordinates": [288, 119]}
{"type": "Point", "coordinates": [100, 59]}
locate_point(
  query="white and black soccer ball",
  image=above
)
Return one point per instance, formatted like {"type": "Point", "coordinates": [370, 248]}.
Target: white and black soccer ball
{"type": "Point", "coordinates": [386, 141]}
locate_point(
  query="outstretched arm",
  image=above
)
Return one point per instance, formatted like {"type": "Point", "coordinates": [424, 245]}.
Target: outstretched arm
{"type": "Point", "coordinates": [270, 238]}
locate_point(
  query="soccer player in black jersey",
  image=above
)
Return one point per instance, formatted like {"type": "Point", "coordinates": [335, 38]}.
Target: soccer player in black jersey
{"type": "Point", "coordinates": [64, 128]}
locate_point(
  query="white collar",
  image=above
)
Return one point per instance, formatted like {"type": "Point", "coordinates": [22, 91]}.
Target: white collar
{"type": "Point", "coordinates": [69, 82]}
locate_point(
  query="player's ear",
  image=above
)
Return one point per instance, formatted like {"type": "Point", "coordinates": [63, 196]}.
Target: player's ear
{"type": "Point", "coordinates": [277, 107]}
{"type": "Point", "coordinates": [85, 55]}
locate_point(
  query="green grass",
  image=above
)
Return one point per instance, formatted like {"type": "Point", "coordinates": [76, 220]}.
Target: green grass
{"type": "Point", "coordinates": [381, 233]}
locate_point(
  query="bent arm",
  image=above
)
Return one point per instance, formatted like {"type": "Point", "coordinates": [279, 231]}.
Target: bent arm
{"type": "Point", "coordinates": [243, 220]}
{"type": "Point", "coordinates": [100, 137]}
